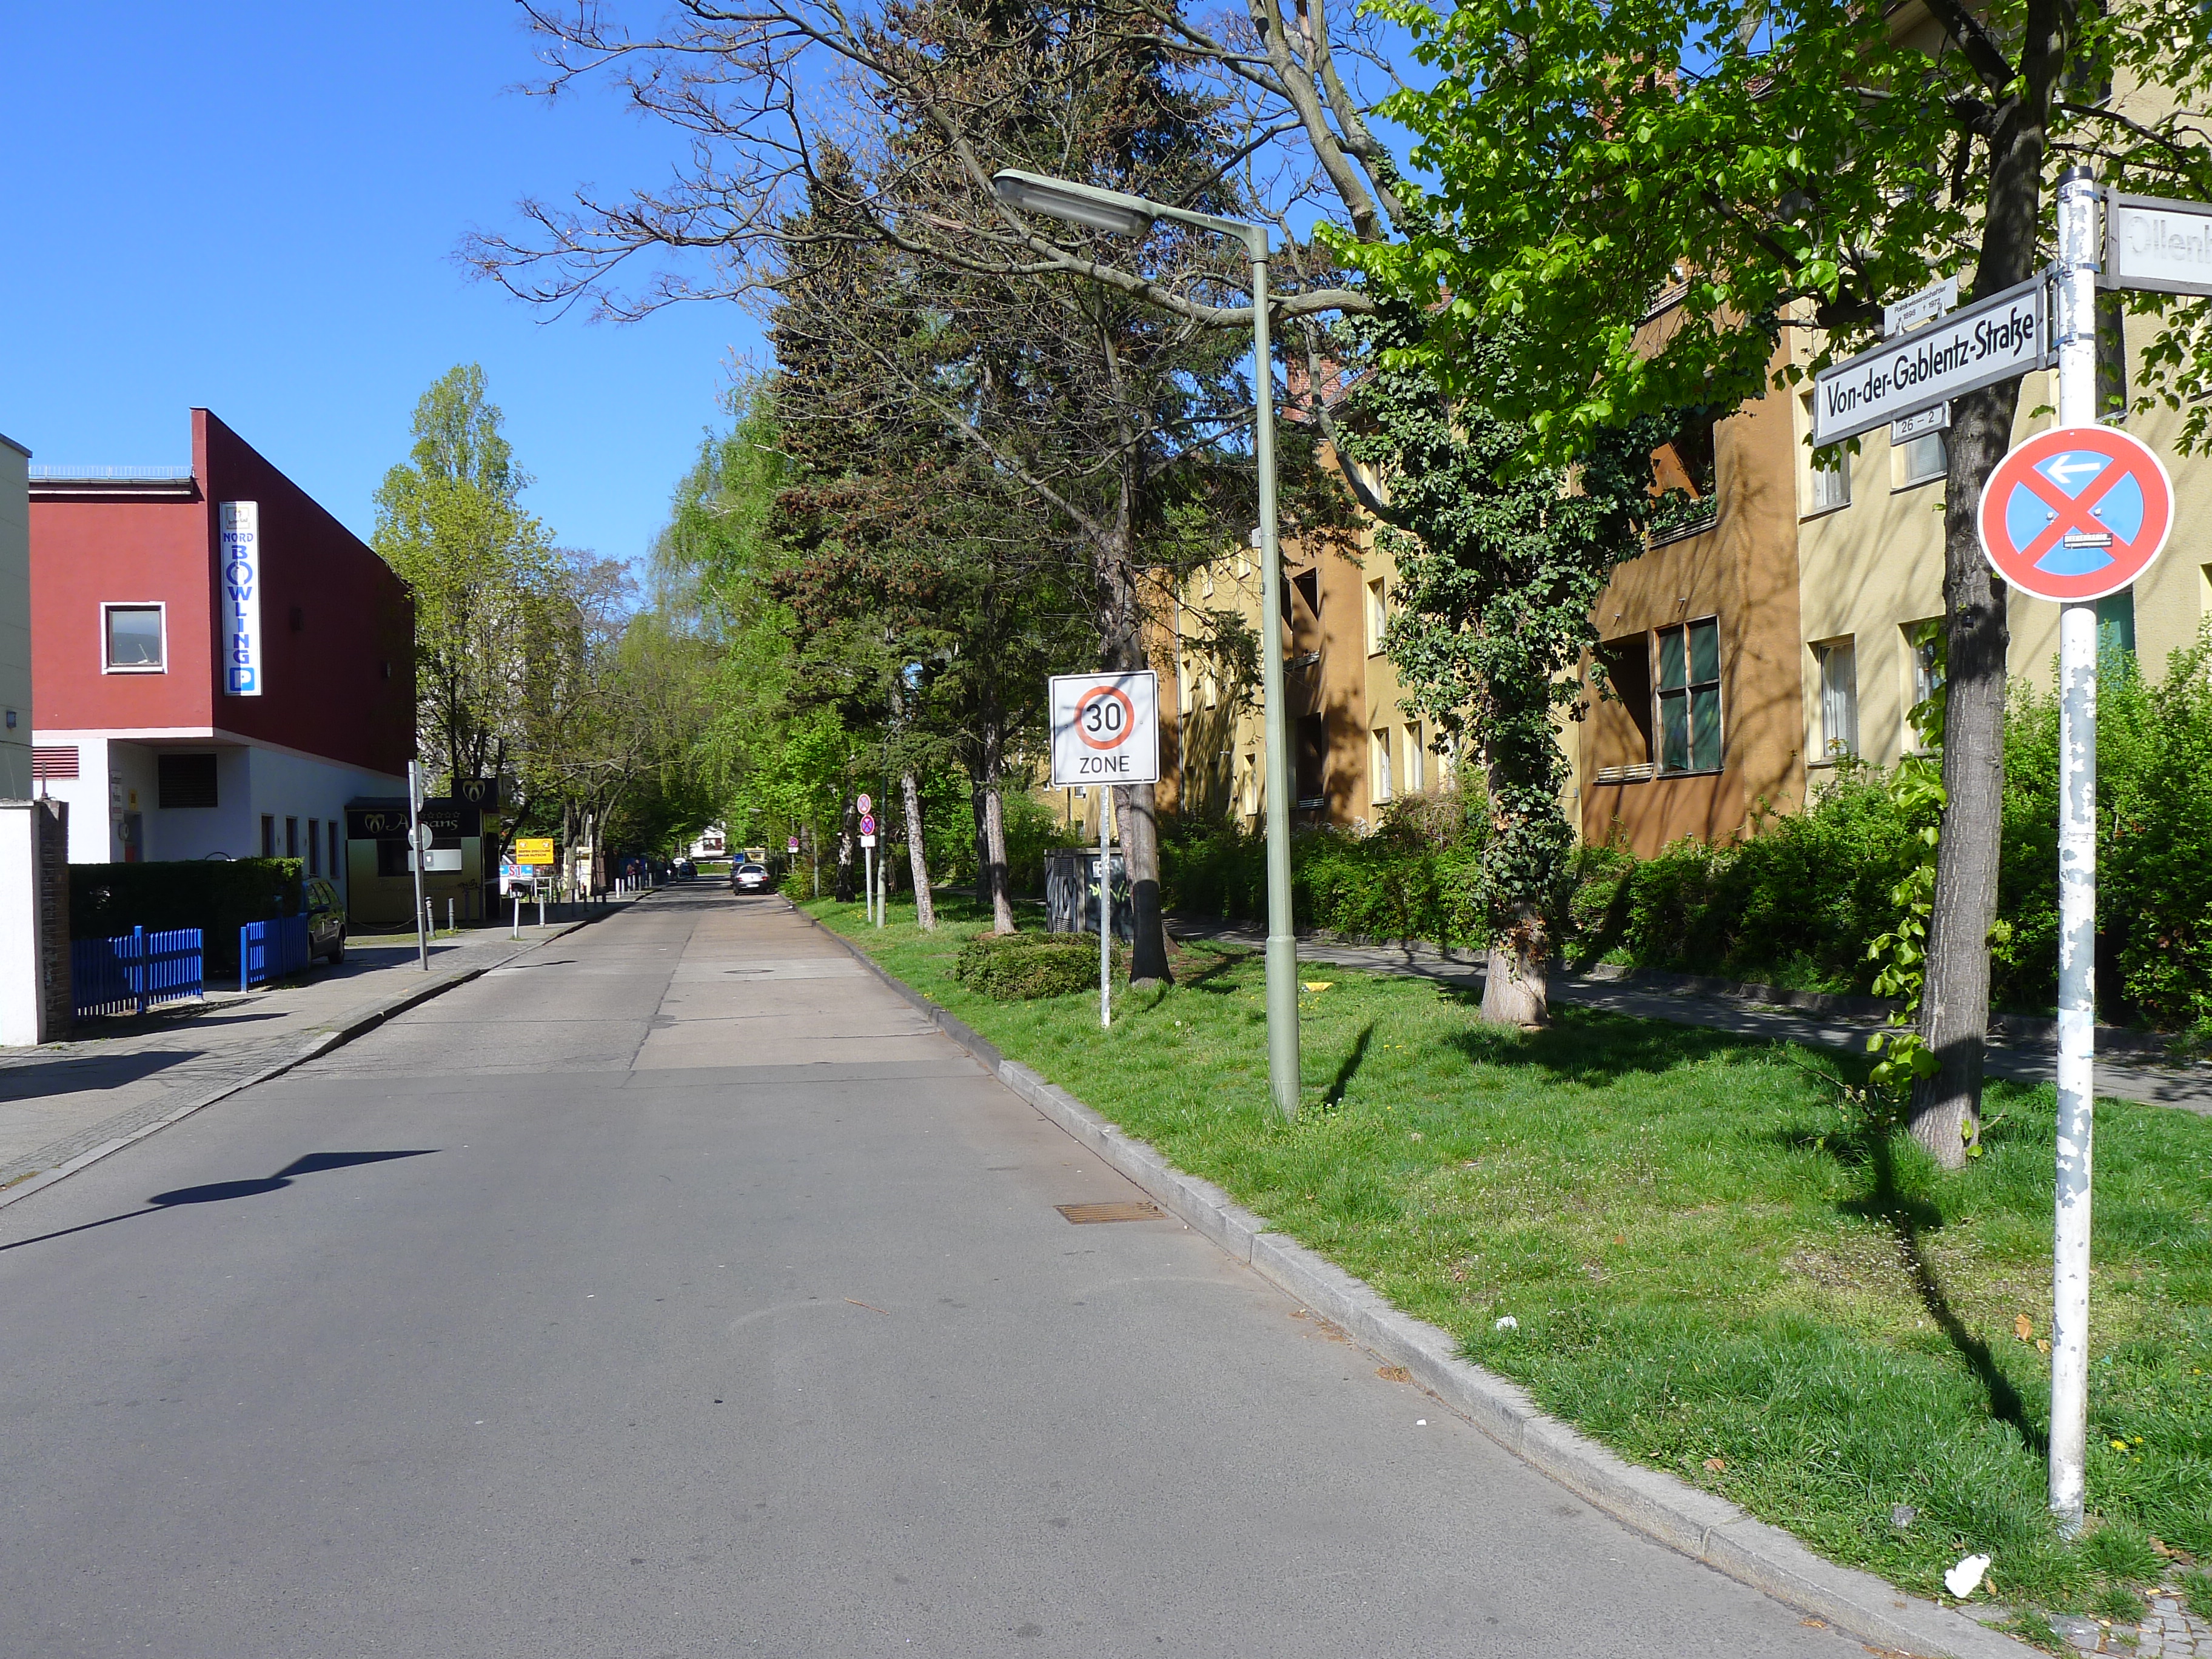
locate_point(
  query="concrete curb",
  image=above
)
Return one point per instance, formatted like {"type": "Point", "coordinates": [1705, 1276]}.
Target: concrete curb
{"type": "Point", "coordinates": [314, 1048]}
{"type": "Point", "coordinates": [1695, 1522]}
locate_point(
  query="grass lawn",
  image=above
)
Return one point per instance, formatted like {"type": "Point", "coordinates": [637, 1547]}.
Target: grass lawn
{"type": "Point", "coordinates": [1715, 1267]}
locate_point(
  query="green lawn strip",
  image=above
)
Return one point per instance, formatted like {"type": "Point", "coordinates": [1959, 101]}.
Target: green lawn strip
{"type": "Point", "coordinates": [1715, 1268]}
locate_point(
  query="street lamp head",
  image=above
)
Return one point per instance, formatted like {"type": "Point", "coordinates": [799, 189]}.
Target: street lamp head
{"type": "Point", "coordinates": [1079, 204]}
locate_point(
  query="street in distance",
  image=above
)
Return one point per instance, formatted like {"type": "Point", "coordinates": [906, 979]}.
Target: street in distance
{"type": "Point", "coordinates": [2004, 336]}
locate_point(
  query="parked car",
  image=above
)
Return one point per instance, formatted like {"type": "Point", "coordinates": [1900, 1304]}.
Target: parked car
{"type": "Point", "coordinates": [326, 920]}
{"type": "Point", "coordinates": [748, 878]}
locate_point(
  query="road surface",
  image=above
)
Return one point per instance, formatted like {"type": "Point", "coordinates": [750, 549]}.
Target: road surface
{"type": "Point", "coordinates": [678, 1291]}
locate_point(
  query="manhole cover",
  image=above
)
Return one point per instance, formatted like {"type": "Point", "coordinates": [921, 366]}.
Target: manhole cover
{"type": "Point", "coordinates": [1134, 1210]}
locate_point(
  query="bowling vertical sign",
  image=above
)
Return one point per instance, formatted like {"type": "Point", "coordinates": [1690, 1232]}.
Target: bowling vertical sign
{"type": "Point", "coordinates": [239, 525]}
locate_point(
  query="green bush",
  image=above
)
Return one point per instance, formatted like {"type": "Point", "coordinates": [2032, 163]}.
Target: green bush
{"type": "Point", "coordinates": [1019, 967]}
{"type": "Point", "coordinates": [216, 895]}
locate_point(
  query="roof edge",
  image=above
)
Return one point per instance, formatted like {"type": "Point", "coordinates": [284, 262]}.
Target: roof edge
{"type": "Point", "coordinates": [12, 444]}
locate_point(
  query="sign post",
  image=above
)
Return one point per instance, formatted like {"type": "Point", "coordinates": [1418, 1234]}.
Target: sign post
{"type": "Point", "coordinates": [868, 853]}
{"type": "Point", "coordinates": [2071, 515]}
{"type": "Point", "coordinates": [419, 844]}
{"type": "Point", "coordinates": [1105, 730]}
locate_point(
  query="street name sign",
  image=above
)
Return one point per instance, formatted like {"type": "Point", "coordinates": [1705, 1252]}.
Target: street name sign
{"type": "Point", "coordinates": [1105, 728]}
{"type": "Point", "coordinates": [2077, 513]}
{"type": "Point", "coordinates": [2161, 246]}
{"type": "Point", "coordinates": [2005, 335]}
{"type": "Point", "coordinates": [1904, 315]}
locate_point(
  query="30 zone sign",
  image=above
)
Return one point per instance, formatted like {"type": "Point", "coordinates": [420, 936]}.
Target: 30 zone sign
{"type": "Point", "coordinates": [1105, 728]}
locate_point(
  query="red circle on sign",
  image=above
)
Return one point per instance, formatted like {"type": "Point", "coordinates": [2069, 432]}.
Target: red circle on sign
{"type": "Point", "coordinates": [2075, 512]}
{"type": "Point", "coordinates": [1111, 739]}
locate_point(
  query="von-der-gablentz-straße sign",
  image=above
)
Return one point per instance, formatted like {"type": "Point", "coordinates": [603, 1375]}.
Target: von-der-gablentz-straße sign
{"type": "Point", "coordinates": [2005, 335]}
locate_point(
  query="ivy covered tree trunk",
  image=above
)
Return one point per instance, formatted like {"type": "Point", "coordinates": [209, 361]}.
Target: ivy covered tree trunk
{"type": "Point", "coordinates": [1499, 564]}
{"type": "Point", "coordinates": [844, 890]}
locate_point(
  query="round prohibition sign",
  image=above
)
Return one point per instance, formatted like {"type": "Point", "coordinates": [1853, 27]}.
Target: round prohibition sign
{"type": "Point", "coordinates": [1104, 718]}
{"type": "Point", "coordinates": [2075, 512]}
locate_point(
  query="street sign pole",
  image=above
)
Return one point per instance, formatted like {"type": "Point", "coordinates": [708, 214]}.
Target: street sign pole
{"type": "Point", "coordinates": [418, 846]}
{"type": "Point", "coordinates": [1105, 909]}
{"type": "Point", "coordinates": [2077, 892]}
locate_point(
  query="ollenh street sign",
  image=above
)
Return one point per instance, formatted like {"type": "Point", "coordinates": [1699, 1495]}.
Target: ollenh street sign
{"type": "Point", "coordinates": [1105, 728]}
{"type": "Point", "coordinates": [2165, 246]}
{"type": "Point", "coordinates": [2003, 336]}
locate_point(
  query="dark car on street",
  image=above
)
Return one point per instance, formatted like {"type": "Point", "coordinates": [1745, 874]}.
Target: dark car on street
{"type": "Point", "coordinates": [748, 878]}
{"type": "Point", "coordinates": [326, 920]}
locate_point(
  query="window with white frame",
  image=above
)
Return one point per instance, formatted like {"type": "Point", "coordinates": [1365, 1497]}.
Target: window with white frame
{"type": "Point", "coordinates": [1918, 460]}
{"type": "Point", "coordinates": [1379, 615]}
{"type": "Point", "coordinates": [1417, 765]}
{"type": "Point", "coordinates": [1839, 698]}
{"type": "Point", "coordinates": [1826, 487]}
{"type": "Point", "coordinates": [1378, 752]}
{"type": "Point", "coordinates": [134, 638]}
{"type": "Point", "coordinates": [1923, 655]}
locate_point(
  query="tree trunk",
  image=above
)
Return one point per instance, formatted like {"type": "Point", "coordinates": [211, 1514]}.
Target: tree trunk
{"type": "Point", "coordinates": [978, 789]}
{"type": "Point", "coordinates": [1136, 805]}
{"type": "Point", "coordinates": [1515, 985]}
{"type": "Point", "coordinates": [925, 912]}
{"type": "Point", "coordinates": [1954, 1004]}
{"type": "Point", "coordinates": [847, 842]}
{"type": "Point", "coordinates": [994, 850]}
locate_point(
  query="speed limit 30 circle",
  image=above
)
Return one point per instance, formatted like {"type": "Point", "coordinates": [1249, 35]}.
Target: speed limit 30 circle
{"type": "Point", "coordinates": [1104, 718]}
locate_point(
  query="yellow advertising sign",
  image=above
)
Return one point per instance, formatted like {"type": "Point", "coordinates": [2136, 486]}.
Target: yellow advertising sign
{"type": "Point", "coordinates": [534, 850]}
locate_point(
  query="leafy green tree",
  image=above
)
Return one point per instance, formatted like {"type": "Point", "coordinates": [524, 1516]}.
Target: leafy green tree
{"type": "Point", "coordinates": [1499, 567]}
{"type": "Point", "coordinates": [1770, 167]}
{"type": "Point", "coordinates": [484, 576]}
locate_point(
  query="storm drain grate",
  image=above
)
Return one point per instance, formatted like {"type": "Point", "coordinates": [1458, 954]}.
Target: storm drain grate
{"type": "Point", "coordinates": [1133, 1210]}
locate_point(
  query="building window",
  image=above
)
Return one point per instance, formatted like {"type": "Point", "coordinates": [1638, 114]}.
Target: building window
{"type": "Point", "coordinates": [134, 637]}
{"type": "Point", "coordinates": [291, 838]}
{"type": "Point", "coordinates": [1690, 696]}
{"type": "Point", "coordinates": [1923, 652]}
{"type": "Point", "coordinates": [1308, 585]}
{"type": "Point", "coordinates": [2116, 623]}
{"type": "Point", "coordinates": [1417, 766]}
{"type": "Point", "coordinates": [184, 780]}
{"type": "Point", "coordinates": [1839, 699]}
{"type": "Point", "coordinates": [54, 760]}
{"type": "Point", "coordinates": [333, 827]}
{"type": "Point", "coordinates": [1379, 617]}
{"type": "Point", "coordinates": [1213, 692]}
{"type": "Point", "coordinates": [267, 837]}
{"type": "Point", "coordinates": [1828, 487]}
{"type": "Point", "coordinates": [314, 846]}
{"type": "Point", "coordinates": [1205, 581]}
{"type": "Point", "coordinates": [1378, 748]}
{"type": "Point", "coordinates": [1310, 743]}
{"type": "Point", "coordinates": [1917, 460]}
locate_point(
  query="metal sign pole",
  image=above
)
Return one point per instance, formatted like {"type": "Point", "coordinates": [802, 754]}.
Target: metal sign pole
{"type": "Point", "coordinates": [1105, 908]}
{"type": "Point", "coordinates": [418, 845]}
{"type": "Point", "coordinates": [2077, 892]}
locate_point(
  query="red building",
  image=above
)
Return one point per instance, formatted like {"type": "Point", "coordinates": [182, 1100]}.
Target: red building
{"type": "Point", "coordinates": [218, 665]}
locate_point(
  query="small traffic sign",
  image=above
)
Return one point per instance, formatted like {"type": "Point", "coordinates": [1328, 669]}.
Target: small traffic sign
{"type": "Point", "coordinates": [867, 804]}
{"type": "Point", "coordinates": [867, 823]}
{"type": "Point", "coordinates": [868, 840]}
{"type": "Point", "coordinates": [1105, 728]}
{"type": "Point", "coordinates": [535, 850]}
{"type": "Point", "coordinates": [2075, 512]}
{"type": "Point", "coordinates": [791, 845]}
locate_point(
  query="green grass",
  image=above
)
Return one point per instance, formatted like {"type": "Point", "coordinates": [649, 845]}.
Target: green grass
{"type": "Point", "coordinates": [1708, 1255]}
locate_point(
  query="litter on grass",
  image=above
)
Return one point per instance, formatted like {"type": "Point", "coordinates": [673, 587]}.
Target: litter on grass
{"type": "Point", "coordinates": [1506, 1322]}
{"type": "Point", "coordinates": [1961, 1579]}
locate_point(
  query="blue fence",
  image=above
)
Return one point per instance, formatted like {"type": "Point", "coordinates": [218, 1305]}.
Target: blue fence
{"type": "Point", "coordinates": [131, 972]}
{"type": "Point", "coordinates": [271, 950]}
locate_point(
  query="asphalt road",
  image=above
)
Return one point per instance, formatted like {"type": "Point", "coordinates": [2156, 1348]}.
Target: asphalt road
{"type": "Point", "coordinates": [677, 1290]}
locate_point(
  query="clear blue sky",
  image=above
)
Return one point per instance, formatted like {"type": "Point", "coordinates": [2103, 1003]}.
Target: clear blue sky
{"type": "Point", "coordinates": [253, 206]}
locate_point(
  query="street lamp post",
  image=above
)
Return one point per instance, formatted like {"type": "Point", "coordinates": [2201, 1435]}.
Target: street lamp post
{"type": "Point", "coordinates": [1134, 216]}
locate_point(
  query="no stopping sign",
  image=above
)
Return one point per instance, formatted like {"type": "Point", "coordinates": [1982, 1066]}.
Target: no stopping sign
{"type": "Point", "coordinates": [1105, 728]}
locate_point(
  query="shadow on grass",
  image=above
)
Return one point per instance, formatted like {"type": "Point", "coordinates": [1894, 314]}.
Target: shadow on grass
{"type": "Point", "coordinates": [1907, 1218]}
{"type": "Point", "coordinates": [1350, 1067]}
{"type": "Point", "coordinates": [1587, 1046]}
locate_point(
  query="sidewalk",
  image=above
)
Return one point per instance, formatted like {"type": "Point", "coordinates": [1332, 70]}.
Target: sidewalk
{"type": "Point", "coordinates": [115, 1076]}
{"type": "Point", "coordinates": [1646, 993]}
